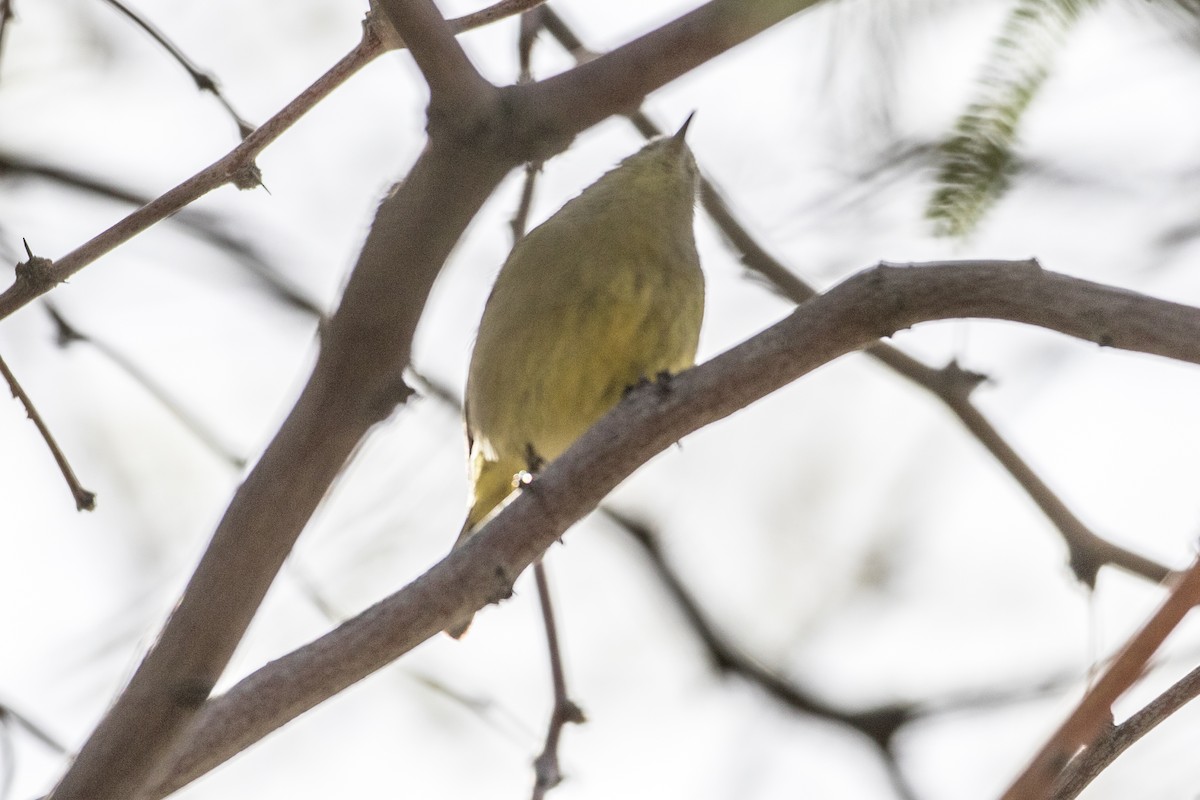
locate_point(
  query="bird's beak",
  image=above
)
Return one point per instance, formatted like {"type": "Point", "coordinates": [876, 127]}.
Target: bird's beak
{"type": "Point", "coordinates": [682, 132]}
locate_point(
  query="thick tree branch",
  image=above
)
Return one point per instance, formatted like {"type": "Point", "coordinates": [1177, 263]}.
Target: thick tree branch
{"type": "Point", "coordinates": [355, 383]}
{"type": "Point", "coordinates": [851, 316]}
{"type": "Point", "coordinates": [455, 87]}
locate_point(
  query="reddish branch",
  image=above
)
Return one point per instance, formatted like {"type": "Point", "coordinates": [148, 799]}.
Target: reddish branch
{"type": "Point", "coordinates": [1094, 713]}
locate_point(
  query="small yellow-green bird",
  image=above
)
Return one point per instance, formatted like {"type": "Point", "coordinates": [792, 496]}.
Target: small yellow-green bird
{"type": "Point", "coordinates": [604, 294]}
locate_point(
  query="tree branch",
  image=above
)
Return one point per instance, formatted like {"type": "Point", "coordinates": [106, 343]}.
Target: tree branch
{"type": "Point", "coordinates": [204, 81]}
{"type": "Point", "coordinates": [84, 500]}
{"type": "Point", "coordinates": [456, 89]}
{"type": "Point", "coordinates": [850, 316]}
{"type": "Point", "coordinates": [1087, 722]}
{"type": "Point", "coordinates": [1116, 740]}
{"type": "Point", "coordinates": [547, 773]}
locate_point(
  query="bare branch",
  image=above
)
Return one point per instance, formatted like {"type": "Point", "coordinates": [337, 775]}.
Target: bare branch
{"type": "Point", "coordinates": [48, 740]}
{"type": "Point", "coordinates": [1094, 712]}
{"type": "Point", "coordinates": [355, 383]}
{"type": "Point", "coordinates": [539, 121]}
{"type": "Point", "coordinates": [852, 315]}
{"type": "Point", "coordinates": [204, 81]}
{"type": "Point", "coordinates": [84, 500]}
{"type": "Point", "coordinates": [1116, 740]}
{"type": "Point", "coordinates": [546, 769]}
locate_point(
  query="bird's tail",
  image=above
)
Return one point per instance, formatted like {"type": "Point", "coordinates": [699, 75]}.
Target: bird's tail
{"type": "Point", "coordinates": [492, 484]}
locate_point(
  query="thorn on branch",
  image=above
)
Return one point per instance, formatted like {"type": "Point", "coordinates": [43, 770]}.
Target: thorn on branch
{"type": "Point", "coordinates": [959, 381]}
{"type": "Point", "coordinates": [36, 274]}
{"type": "Point", "coordinates": [247, 177]}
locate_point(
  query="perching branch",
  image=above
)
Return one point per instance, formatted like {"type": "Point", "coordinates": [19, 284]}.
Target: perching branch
{"type": "Point", "coordinates": [850, 316]}
{"type": "Point", "coordinates": [1088, 551]}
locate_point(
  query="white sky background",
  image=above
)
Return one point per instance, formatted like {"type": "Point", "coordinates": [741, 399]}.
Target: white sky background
{"type": "Point", "coordinates": [845, 530]}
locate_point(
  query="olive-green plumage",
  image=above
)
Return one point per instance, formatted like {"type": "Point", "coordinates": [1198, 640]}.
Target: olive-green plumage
{"type": "Point", "coordinates": [605, 293]}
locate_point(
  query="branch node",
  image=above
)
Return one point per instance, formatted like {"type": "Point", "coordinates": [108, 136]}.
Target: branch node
{"type": "Point", "coordinates": [504, 586]}
{"type": "Point", "coordinates": [192, 693]}
{"type": "Point", "coordinates": [960, 381]}
{"type": "Point", "coordinates": [247, 177]}
{"type": "Point", "coordinates": [36, 274]}
{"type": "Point", "coordinates": [378, 28]}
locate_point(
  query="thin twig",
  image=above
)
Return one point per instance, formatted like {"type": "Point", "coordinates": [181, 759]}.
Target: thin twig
{"type": "Point", "coordinates": [9, 714]}
{"type": "Point", "coordinates": [546, 768]}
{"type": "Point", "coordinates": [6, 15]}
{"type": "Point", "coordinates": [8, 759]}
{"type": "Point", "coordinates": [67, 334]}
{"type": "Point", "coordinates": [84, 500]}
{"type": "Point", "coordinates": [204, 81]}
{"type": "Point", "coordinates": [521, 217]}
{"type": "Point", "coordinates": [1087, 722]}
{"type": "Point", "coordinates": [1116, 740]}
